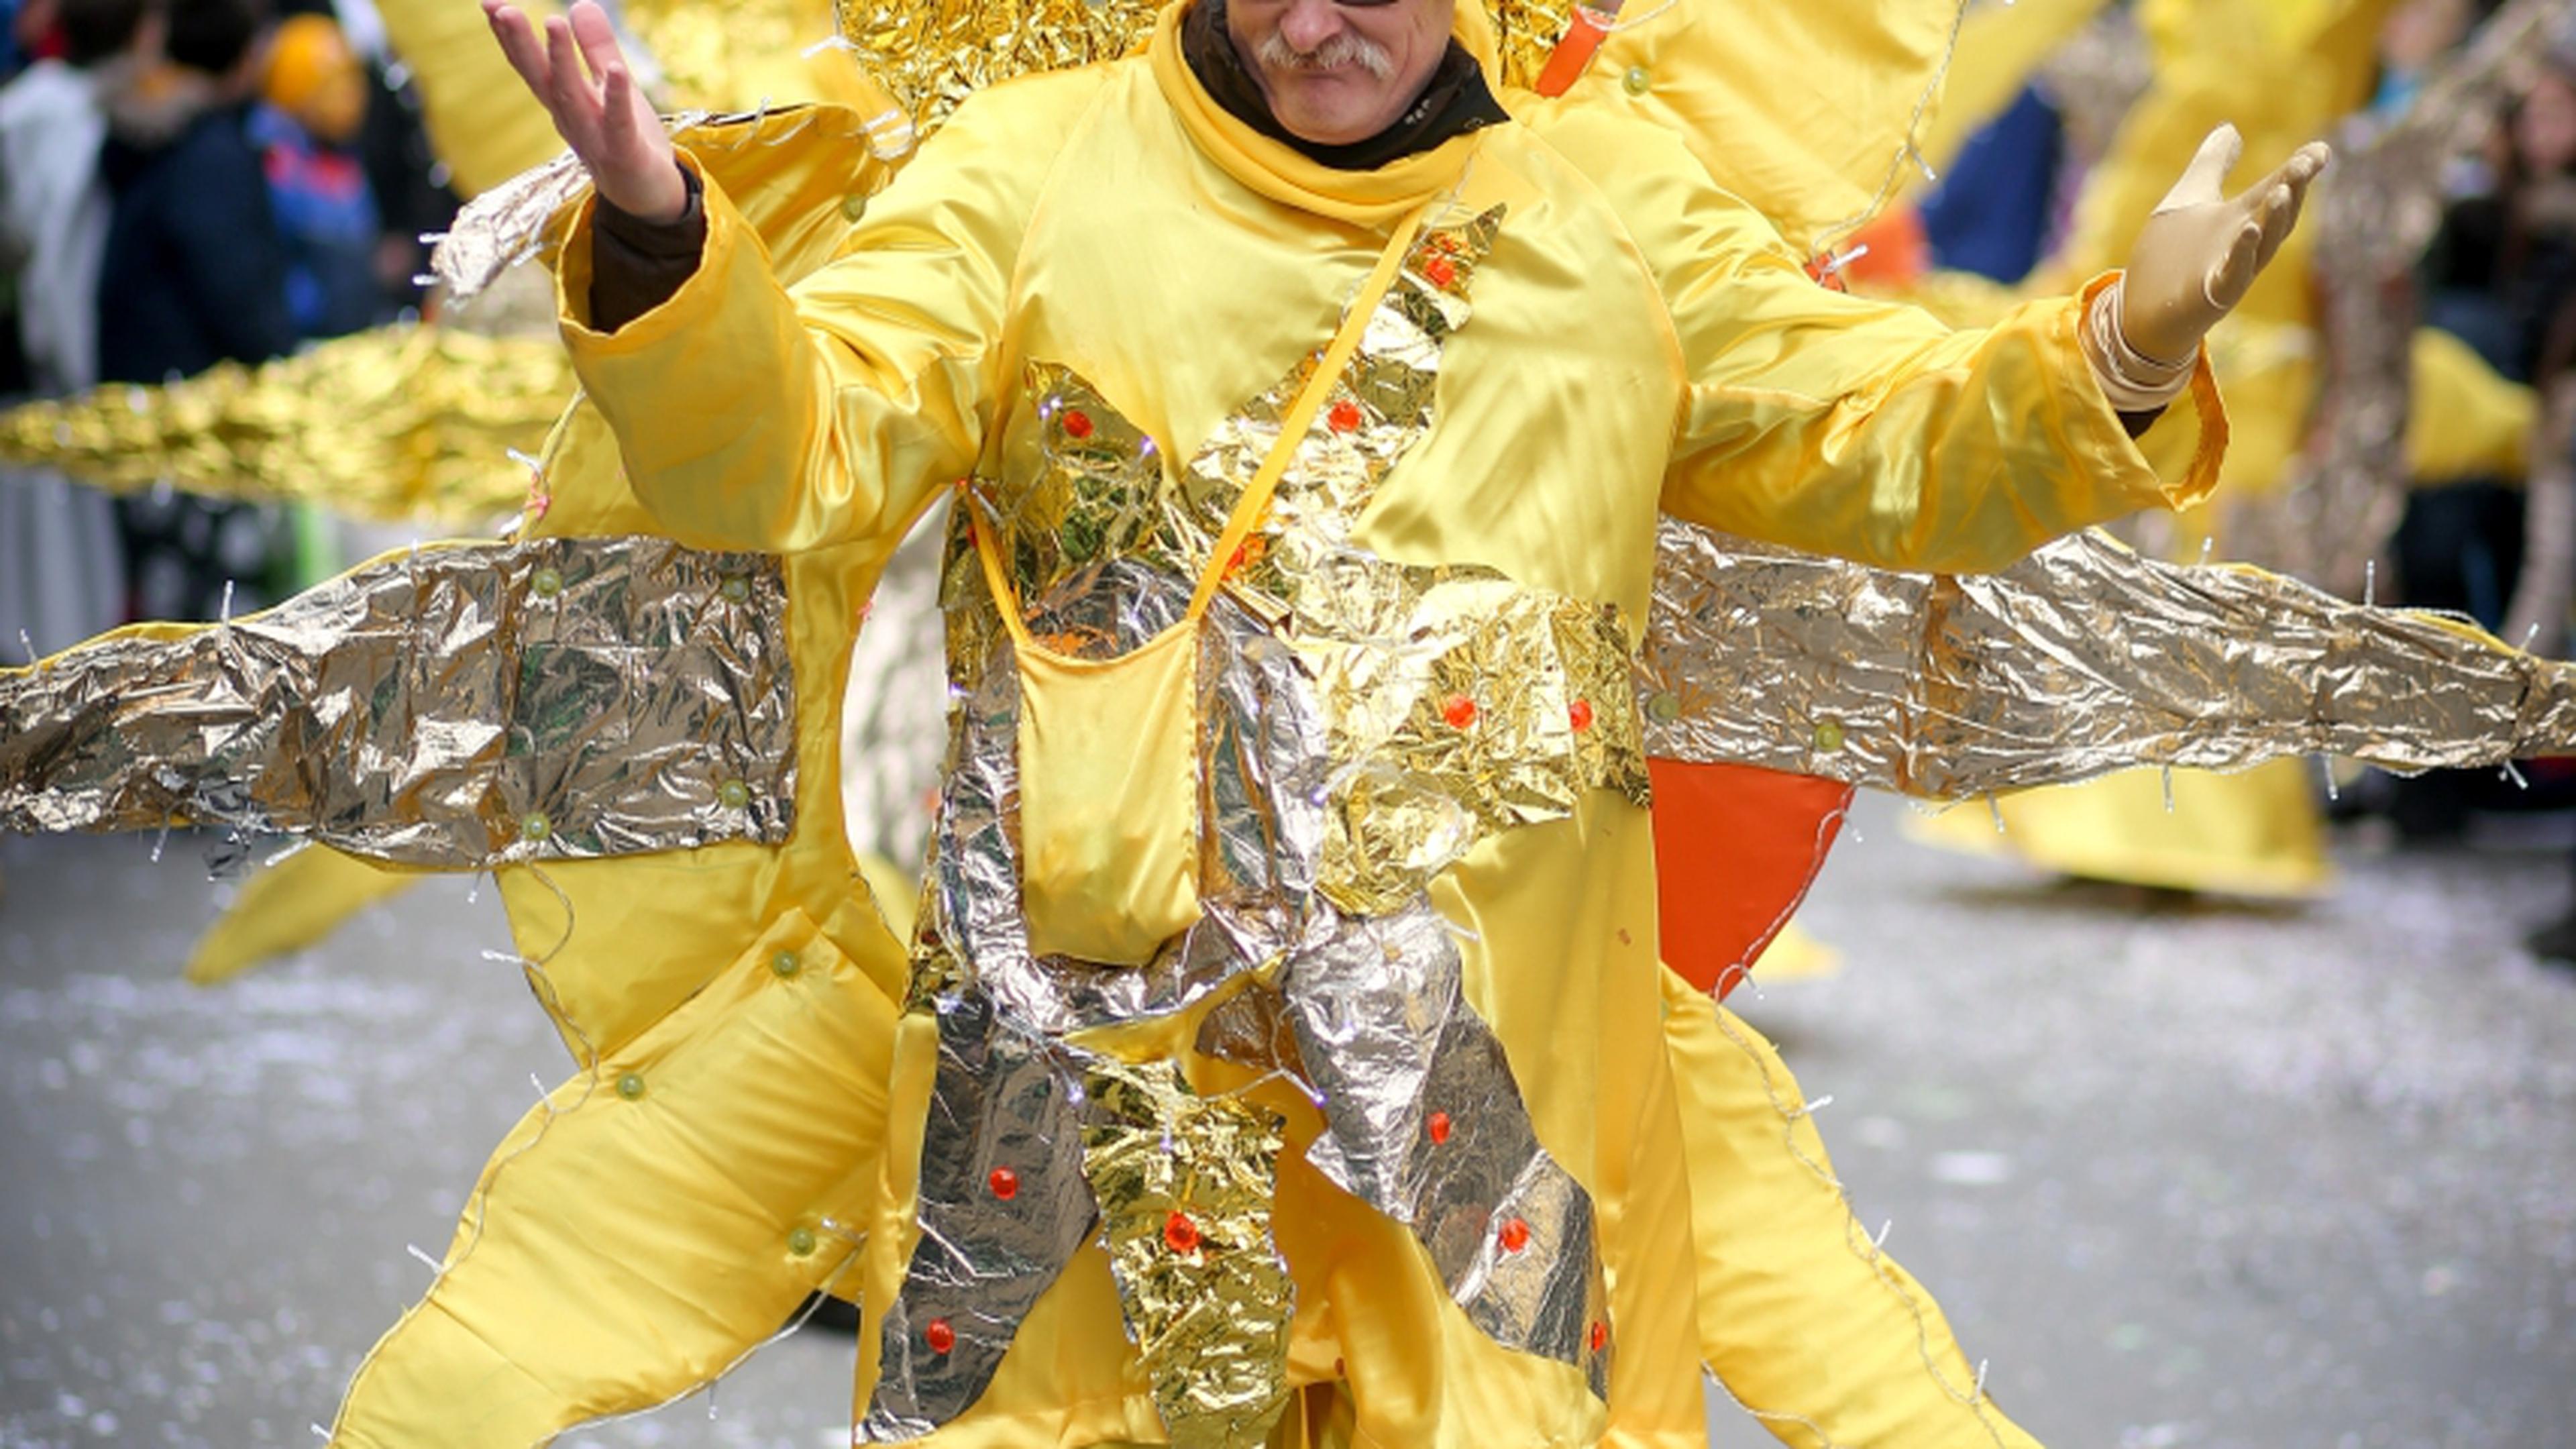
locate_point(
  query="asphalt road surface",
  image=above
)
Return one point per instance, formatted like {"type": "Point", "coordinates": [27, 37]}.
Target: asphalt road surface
{"type": "Point", "coordinates": [2185, 1175]}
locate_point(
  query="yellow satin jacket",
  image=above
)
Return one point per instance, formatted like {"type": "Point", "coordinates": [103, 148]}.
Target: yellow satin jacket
{"type": "Point", "coordinates": [1084, 295]}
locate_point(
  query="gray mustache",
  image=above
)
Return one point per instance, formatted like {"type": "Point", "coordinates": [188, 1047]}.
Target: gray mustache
{"type": "Point", "coordinates": [1343, 49]}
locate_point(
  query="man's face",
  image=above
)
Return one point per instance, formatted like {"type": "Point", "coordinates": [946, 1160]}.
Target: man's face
{"type": "Point", "coordinates": [1340, 71]}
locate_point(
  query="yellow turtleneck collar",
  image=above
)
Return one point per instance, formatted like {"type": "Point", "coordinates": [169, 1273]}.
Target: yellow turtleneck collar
{"type": "Point", "coordinates": [1363, 198]}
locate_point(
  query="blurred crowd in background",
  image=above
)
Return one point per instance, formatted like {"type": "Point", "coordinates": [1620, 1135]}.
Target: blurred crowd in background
{"type": "Point", "coordinates": [185, 183]}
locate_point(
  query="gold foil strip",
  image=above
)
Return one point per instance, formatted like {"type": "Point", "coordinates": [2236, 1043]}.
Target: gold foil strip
{"type": "Point", "coordinates": [933, 54]}
{"type": "Point", "coordinates": [1185, 1184]}
{"type": "Point", "coordinates": [1084, 484]}
{"type": "Point", "coordinates": [1526, 32]}
{"type": "Point", "coordinates": [2083, 659]}
{"type": "Point", "coordinates": [398, 423]}
{"type": "Point", "coordinates": [458, 708]}
{"type": "Point", "coordinates": [1454, 694]}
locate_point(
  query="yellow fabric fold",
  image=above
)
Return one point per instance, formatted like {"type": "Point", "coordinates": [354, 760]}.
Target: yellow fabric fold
{"type": "Point", "coordinates": [575, 1286]}
{"type": "Point", "coordinates": [295, 903]}
{"type": "Point", "coordinates": [2255, 834]}
{"type": "Point", "coordinates": [1809, 1324]}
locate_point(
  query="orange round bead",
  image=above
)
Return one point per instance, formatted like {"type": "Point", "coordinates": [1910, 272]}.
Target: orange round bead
{"type": "Point", "coordinates": [1077, 425]}
{"type": "Point", "coordinates": [1579, 715]}
{"type": "Point", "coordinates": [1459, 711]}
{"type": "Point", "coordinates": [1004, 1183]}
{"type": "Point", "coordinates": [1600, 1336]}
{"type": "Point", "coordinates": [1345, 416]}
{"type": "Point", "coordinates": [1442, 272]}
{"type": "Point", "coordinates": [939, 1336]}
{"type": "Point", "coordinates": [1438, 1127]}
{"type": "Point", "coordinates": [1180, 1234]}
{"type": "Point", "coordinates": [1515, 1235]}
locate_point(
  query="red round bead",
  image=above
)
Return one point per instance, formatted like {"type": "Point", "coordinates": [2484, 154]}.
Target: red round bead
{"type": "Point", "coordinates": [1004, 1182]}
{"type": "Point", "coordinates": [1515, 1235]}
{"type": "Point", "coordinates": [1600, 1336]}
{"type": "Point", "coordinates": [1459, 711]}
{"type": "Point", "coordinates": [1442, 272]}
{"type": "Point", "coordinates": [1345, 416]}
{"type": "Point", "coordinates": [1579, 714]}
{"type": "Point", "coordinates": [1438, 1127]}
{"type": "Point", "coordinates": [1077, 424]}
{"type": "Point", "coordinates": [939, 1336]}
{"type": "Point", "coordinates": [1180, 1234]}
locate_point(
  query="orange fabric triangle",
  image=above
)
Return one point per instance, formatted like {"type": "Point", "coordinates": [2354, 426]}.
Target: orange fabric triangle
{"type": "Point", "coordinates": [1736, 848]}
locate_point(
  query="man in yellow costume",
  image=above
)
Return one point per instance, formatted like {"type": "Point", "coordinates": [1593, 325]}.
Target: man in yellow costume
{"type": "Point", "coordinates": [1275, 1064]}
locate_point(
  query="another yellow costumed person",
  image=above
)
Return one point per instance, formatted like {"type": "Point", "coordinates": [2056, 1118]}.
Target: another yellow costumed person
{"type": "Point", "coordinates": [1268, 1071]}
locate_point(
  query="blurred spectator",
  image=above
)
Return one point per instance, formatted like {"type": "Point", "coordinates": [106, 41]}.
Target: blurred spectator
{"type": "Point", "coordinates": [195, 271]}
{"type": "Point", "coordinates": [2416, 35]}
{"type": "Point", "coordinates": [1994, 212]}
{"type": "Point", "coordinates": [61, 578]}
{"type": "Point", "coordinates": [316, 102]}
{"type": "Point", "coordinates": [2500, 277]}
{"type": "Point", "coordinates": [195, 275]}
{"type": "Point", "coordinates": [54, 207]}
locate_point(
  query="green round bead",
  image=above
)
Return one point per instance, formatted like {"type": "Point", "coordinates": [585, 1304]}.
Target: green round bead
{"type": "Point", "coordinates": [786, 963]}
{"type": "Point", "coordinates": [631, 1086]}
{"type": "Point", "coordinates": [800, 1241]}
{"type": "Point", "coordinates": [1665, 708]}
{"type": "Point", "coordinates": [1829, 736]}
{"type": "Point", "coordinates": [1638, 80]}
{"type": "Point", "coordinates": [737, 589]}
{"type": "Point", "coordinates": [547, 582]}
{"type": "Point", "coordinates": [536, 826]}
{"type": "Point", "coordinates": [734, 794]}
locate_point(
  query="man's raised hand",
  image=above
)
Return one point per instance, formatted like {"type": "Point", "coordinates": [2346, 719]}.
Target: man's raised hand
{"type": "Point", "coordinates": [579, 73]}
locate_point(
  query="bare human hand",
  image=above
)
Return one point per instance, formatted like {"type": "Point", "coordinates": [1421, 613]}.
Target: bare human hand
{"type": "Point", "coordinates": [2199, 253]}
{"type": "Point", "coordinates": [599, 110]}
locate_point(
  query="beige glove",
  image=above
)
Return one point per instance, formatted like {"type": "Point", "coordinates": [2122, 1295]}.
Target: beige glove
{"type": "Point", "coordinates": [2193, 262]}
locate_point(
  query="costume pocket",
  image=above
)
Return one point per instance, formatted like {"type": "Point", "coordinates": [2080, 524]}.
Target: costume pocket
{"type": "Point", "coordinates": [1109, 814]}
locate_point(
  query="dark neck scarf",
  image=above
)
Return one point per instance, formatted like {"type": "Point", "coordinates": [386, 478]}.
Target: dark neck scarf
{"type": "Point", "coordinates": [1456, 101]}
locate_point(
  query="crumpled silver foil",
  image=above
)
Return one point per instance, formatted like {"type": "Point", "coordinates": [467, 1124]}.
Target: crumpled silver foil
{"type": "Point", "coordinates": [2083, 659]}
{"type": "Point", "coordinates": [455, 708]}
{"type": "Point", "coordinates": [1424, 1122]}
{"type": "Point", "coordinates": [788, 192]}
{"type": "Point", "coordinates": [504, 226]}
{"type": "Point", "coordinates": [1004, 1101]}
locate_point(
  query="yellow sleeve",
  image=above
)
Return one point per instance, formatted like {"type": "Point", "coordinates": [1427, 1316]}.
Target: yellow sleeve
{"type": "Point", "coordinates": [1867, 429]}
{"type": "Point", "coordinates": [752, 415]}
